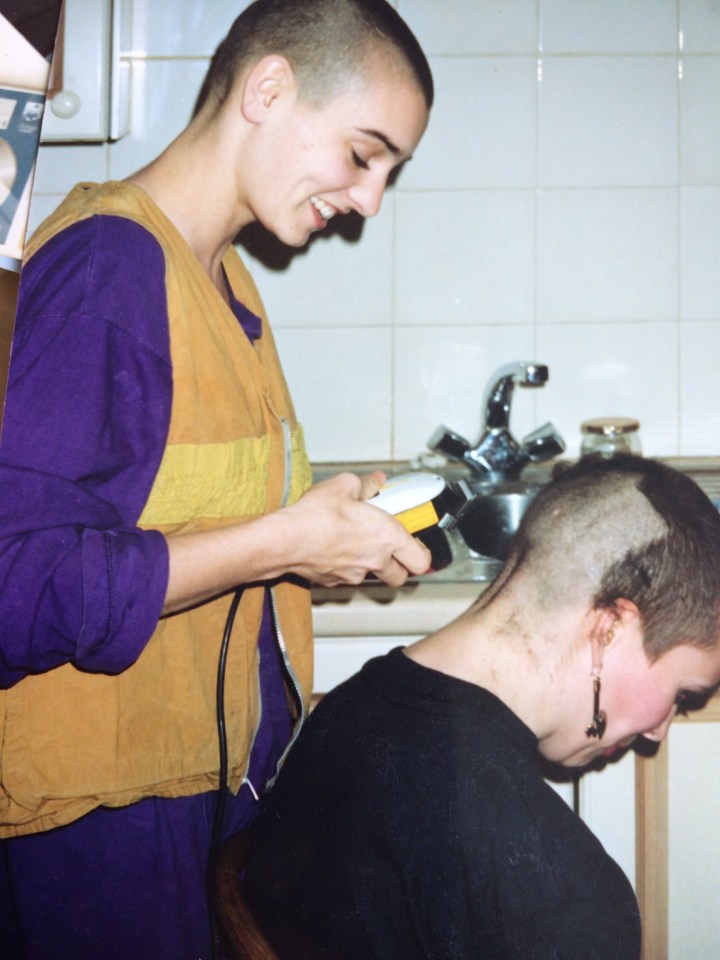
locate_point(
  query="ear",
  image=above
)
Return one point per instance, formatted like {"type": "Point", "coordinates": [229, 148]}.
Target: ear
{"type": "Point", "coordinates": [270, 79]}
{"type": "Point", "coordinates": [608, 626]}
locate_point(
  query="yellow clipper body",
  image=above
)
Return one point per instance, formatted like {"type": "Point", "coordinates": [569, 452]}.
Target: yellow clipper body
{"type": "Point", "coordinates": [427, 506]}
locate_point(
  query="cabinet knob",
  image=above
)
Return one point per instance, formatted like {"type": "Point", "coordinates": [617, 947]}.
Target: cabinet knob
{"type": "Point", "coordinates": [65, 104]}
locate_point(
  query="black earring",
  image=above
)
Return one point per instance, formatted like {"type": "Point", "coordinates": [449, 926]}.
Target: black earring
{"type": "Point", "coordinates": [599, 720]}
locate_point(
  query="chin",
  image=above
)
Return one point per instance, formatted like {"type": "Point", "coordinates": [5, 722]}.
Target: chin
{"type": "Point", "coordinates": [289, 234]}
{"type": "Point", "coordinates": [576, 763]}
{"type": "Point", "coordinates": [577, 760]}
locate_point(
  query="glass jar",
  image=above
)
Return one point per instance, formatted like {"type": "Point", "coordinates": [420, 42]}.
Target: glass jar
{"type": "Point", "coordinates": [610, 435]}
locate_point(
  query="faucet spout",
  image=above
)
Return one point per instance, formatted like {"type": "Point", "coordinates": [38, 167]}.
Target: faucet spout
{"type": "Point", "coordinates": [499, 393]}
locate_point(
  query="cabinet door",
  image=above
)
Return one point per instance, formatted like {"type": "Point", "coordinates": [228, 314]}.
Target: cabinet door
{"type": "Point", "coordinates": [606, 802]}
{"type": "Point", "coordinates": [337, 658]}
{"type": "Point", "coordinates": [693, 848]}
{"type": "Point", "coordinates": [88, 97]}
{"type": "Point", "coordinates": [678, 841]}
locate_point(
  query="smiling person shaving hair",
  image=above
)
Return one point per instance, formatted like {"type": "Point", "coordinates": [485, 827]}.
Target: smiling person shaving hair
{"type": "Point", "coordinates": [152, 463]}
{"type": "Point", "coordinates": [411, 819]}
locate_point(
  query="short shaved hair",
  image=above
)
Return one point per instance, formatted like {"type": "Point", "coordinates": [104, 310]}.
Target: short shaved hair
{"type": "Point", "coordinates": [626, 527]}
{"type": "Point", "coordinates": [328, 43]}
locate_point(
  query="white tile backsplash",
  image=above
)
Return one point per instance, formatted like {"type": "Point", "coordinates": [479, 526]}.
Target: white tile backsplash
{"type": "Point", "coordinates": [564, 206]}
{"type": "Point", "coordinates": [57, 161]}
{"type": "Point", "coordinates": [700, 385]}
{"type": "Point", "coordinates": [613, 370]}
{"type": "Point", "coordinates": [700, 254]}
{"type": "Point", "coordinates": [609, 26]}
{"type": "Point", "coordinates": [465, 257]}
{"type": "Point", "coordinates": [501, 26]}
{"type": "Point", "coordinates": [607, 255]}
{"type": "Point", "coordinates": [700, 120]}
{"type": "Point", "coordinates": [700, 26]}
{"type": "Point", "coordinates": [336, 281]}
{"type": "Point", "coordinates": [482, 131]}
{"type": "Point", "coordinates": [608, 121]}
{"type": "Point", "coordinates": [341, 382]}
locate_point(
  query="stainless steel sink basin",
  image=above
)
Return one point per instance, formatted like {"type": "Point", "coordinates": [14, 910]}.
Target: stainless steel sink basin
{"type": "Point", "coordinates": [490, 520]}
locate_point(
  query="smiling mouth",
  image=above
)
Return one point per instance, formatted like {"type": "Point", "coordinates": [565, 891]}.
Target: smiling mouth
{"type": "Point", "coordinates": [324, 209]}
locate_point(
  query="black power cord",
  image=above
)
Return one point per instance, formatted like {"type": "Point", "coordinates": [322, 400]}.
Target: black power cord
{"type": "Point", "coordinates": [223, 775]}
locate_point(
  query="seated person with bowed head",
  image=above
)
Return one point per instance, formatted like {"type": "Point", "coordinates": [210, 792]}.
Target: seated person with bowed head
{"type": "Point", "coordinates": [411, 820]}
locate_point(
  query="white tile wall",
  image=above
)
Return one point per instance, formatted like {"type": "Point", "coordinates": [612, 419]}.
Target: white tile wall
{"type": "Point", "coordinates": [617, 369]}
{"type": "Point", "coordinates": [700, 252]}
{"type": "Point", "coordinates": [700, 120]}
{"type": "Point", "coordinates": [482, 133]}
{"type": "Point", "coordinates": [608, 26]}
{"type": "Point", "coordinates": [335, 283]}
{"type": "Point", "coordinates": [441, 279]}
{"type": "Point", "coordinates": [607, 255]}
{"type": "Point", "coordinates": [563, 207]}
{"type": "Point", "coordinates": [608, 121]}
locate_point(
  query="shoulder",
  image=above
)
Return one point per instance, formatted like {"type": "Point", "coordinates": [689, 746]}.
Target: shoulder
{"type": "Point", "coordinates": [106, 266]}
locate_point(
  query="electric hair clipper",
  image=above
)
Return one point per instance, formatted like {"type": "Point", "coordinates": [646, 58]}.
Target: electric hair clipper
{"type": "Point", "coordinates": [427, 506]}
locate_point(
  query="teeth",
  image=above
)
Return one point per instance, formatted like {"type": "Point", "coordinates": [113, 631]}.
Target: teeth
{"type": "Point", "coordinates": [324, 209]}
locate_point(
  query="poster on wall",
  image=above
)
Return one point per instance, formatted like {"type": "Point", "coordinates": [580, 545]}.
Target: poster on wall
{"type": "Point", "coordinates": [27, 35]}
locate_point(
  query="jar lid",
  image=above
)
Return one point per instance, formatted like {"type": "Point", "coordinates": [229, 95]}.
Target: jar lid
{"type": "Point", "coordinates": [610, 426]}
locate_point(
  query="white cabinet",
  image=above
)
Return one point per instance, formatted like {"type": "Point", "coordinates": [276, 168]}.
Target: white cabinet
{"type": "Point", "coordinates": [694, 841]}
{"type": "Point", "coordinates": [88, 97]}
{"type": "Point", "coordinates": [606, 802]}
{"type": "Point", "coordinates": [679, 841]}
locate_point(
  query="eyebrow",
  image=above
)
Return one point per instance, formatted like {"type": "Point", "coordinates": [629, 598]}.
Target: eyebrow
{"type": "Point", "coordinates": [393, 148]}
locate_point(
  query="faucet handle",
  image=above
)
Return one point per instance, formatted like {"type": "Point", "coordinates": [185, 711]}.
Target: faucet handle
{"type": "Point", "coordinates": [542, 444]}
{"type": "Point", "coordinates": [450, 444]}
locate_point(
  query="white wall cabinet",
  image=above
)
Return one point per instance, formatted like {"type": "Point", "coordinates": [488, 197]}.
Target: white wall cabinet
{"type": "Point", "coordinates": [89, 93]}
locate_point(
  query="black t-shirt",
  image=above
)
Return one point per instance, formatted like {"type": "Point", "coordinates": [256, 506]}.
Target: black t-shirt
{"type": "Point", "coordinates": [411, 822]}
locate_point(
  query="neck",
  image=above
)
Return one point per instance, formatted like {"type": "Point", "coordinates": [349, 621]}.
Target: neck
{"type": "Point", "coordinates": [177, 181]}
{"type": "Point", "coordinates": [499, 647]}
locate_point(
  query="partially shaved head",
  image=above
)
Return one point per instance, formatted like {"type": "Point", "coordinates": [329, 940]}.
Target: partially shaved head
{"type": "Point", "coordinates": [328, 44]}
{"type": "Point", "coordinates": [627, 528]}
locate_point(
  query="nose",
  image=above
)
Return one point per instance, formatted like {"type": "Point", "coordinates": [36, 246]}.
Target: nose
{"type": "Point", "coordinates": [367, 194]}
{"type": "Point", "coordinates": [659, 733]}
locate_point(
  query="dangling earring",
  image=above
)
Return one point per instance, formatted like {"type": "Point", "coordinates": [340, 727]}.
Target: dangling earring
{"type": "Point", "coordinates": [599, 720]}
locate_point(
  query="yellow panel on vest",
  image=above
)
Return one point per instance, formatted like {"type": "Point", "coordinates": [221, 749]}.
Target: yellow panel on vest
{"type": "Point", "coordinates": [216, 480]}
{"type": "Point", "coordinates": [301, 473]}
{"type": "Point", "coordinates": [418, 518]}
{"type": "Point", "coordinates": [209, 480]}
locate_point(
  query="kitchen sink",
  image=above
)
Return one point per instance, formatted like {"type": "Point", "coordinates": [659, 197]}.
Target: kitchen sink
{"type": "Point", "coordinates": [491, 518]}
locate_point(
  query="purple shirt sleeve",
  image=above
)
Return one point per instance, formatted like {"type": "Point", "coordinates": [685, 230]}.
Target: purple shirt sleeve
{"type": "Point", "coordinates": [86, 420]}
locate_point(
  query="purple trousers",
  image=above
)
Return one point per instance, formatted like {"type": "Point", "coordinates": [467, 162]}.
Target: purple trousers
{"type": "Point", "coordinates": [125, 884]}
{"type": "Point", "coordinates": [130, 883]}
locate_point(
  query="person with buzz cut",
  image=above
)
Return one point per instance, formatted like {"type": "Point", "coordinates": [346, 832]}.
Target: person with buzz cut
{"type": "Point", "coordinates": [411, 819]}
{"type": "Point", "coordinates": [152, 464]}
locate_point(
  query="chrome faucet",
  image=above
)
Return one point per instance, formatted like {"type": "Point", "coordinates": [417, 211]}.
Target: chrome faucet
{"type": "Point", "coordinates": [498, 455]}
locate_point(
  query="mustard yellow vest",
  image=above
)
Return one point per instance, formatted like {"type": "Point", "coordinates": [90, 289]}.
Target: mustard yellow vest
{"type": "Point", "coordinates": [71, 740]}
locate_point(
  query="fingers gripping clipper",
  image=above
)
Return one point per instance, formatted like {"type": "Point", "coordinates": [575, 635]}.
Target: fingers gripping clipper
{"type": "Point", "coordinates": [428, 507]}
